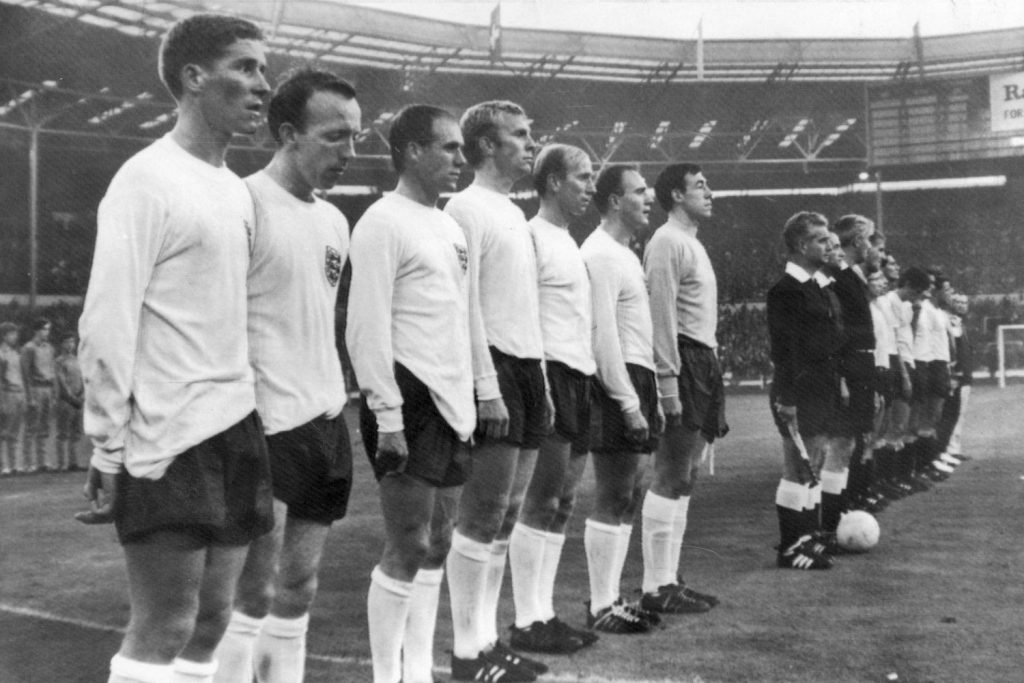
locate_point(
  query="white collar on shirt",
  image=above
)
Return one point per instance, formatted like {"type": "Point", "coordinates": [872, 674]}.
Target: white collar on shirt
{"type": "Point", "coordinates": [798, 273]}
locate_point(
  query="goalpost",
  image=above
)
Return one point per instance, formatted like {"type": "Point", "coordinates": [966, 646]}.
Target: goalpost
{"type": "Point", "coordinates": [1001, 350]}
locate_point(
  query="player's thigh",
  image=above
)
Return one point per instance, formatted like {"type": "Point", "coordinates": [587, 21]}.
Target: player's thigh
{"type": "Point", "coordinates": [491, 473]}
{"type": "Point", "coordinates": [165, 575]}
{"type": "Point", "coordinates": [255, 585]}
{"type": "Point", "coordinates": [407, 505]}
{"type": "Point", "coordinates": [550, 471]}
{"type": "Point", "coordinates": [615, 475]}
{"type": "Point", "coordinates": [446, 506]}
{"type": "Point", "coordinates": [678, 455]}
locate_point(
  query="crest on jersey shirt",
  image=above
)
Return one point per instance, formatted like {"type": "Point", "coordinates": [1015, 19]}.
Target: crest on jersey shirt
{"type": "Point", "coordinates": [332, 266]}
{"type": "Point", "coordinates": [463, 255]}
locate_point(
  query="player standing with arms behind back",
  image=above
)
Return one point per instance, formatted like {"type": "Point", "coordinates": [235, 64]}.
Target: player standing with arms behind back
{"type": "Point", "coordinates": [299, 246]}
{"type": "Point", "coordinates": [179, 459]}
{"type": "Point", "coordinates": [684, 310]}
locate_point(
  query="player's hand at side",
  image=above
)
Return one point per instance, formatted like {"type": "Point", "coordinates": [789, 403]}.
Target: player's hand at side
{"type": "Point", "coordinates": [636, 425]}
{"type": "Point", "coordinates": [492, 418]}
{"type": "Point", "coordinates": [787, 413]}
{"type": "Point", "coordinates": [658, 428]}
{"type": "Point", "coordinates": [101, 491]}
{"type": "Point", "coordinates": [392, 453]}
{"type": "Point", "coordinates": [673, 410]}
{"type": "Point", "coordinates": [844, 392]}
{"type": "Point", "coordinates": [549, 413]}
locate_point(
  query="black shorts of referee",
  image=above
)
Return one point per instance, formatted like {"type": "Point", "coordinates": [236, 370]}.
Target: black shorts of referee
{"type": "Point", "coordinates": [856, 416]}
{"type": "Point", "coordinates": [570, 393]}
{"type": "Point", "coordinates": [436, 454]}
{"type": "Point", "coordinates": [816, 389]}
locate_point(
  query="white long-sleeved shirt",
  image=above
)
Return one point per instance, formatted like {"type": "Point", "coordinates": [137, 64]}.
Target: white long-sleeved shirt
{"type": "Point", "coordinates": [622, 315]}
{"type": "Point", "coordinates": [931, 339]}
{"type": "Point", "coordinates": [885, 333]}
{"type": "Point", "coordinates": [564, 292]}
{"type": "Point", "coordinates": [684, 296]}
{"type": "Point", "coordinates": [164, 353]}
{"type": "Point", "coordinates": [298, 251]}
{"type": "Point", "coordinates": [900, 313]}
{"type": "Point", "coordinates": [409, 303]}
{"type": "Point", "coordinates": [503, 281]}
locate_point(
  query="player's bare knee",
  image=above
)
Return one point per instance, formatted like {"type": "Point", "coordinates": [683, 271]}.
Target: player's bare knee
{"type": "Point", "coordinates": [296, 594]}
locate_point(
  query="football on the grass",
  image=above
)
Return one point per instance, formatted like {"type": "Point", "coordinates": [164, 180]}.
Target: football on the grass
{"type": "Point", "coordinates": [858, 531]}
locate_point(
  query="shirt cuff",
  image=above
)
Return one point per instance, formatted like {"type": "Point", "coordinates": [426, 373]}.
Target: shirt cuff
{"type": "Point", "coordinates": [389, 420]}
{"type": "Point", "coordinates": [487, 388]}
{"type": "Point", "coordinates": [108, 462]}
{"type": "Point", "coordinates": [668, 385]}
{"type": "Point", "coordinates": [629, 404]}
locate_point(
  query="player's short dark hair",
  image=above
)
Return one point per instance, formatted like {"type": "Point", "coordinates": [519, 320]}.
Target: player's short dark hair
{"type": "Point", "coordinates": [40, 323]}
{"type": "Point", "coordinates": [6, 328]}
{"type": "Point", "coordinates": [481, 121]}
{"type": "Point", "coordinates": [798, 227]}
{"type": "Point", "coordinates": [672, 178]}
{"type": "Point", "coordinates": [555, 160]}
{"type": "Point", "coordinates": [414, 123]}
{"type": "Point", "coordinates": [914, 278]}
{"type": "Point", "coordinates": [850, 227]}
{"type": "Point", "coordinates": [609, 182]}
{"type": "Point", "coordinates": [200, 39]}
{"type": "Point", "coordinates": [294, 90]}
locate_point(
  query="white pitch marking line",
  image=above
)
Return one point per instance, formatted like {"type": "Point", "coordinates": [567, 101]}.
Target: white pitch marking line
{"type": "Point", "coordinates": [331, 659]}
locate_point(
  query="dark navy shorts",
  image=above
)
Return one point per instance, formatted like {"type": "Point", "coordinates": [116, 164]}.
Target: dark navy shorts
{"type": "Point", "coordinates": [570, 393]}
{"type": "Point", "coordinates": [312, 469]}
{"type": "Point", "coordinates": [608, 433]}
{"type": "Point", "coordinates": [218, 490]}
{"type": "Point", "coordinates": [521, 382]}
{"type": "Point", "coordinates": [436, 455]}
{"type": "Point", "coordinates": [701, 389]}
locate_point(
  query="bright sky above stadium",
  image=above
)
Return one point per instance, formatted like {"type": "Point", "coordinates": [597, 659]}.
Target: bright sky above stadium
{"type": "Point", "coordinates": [728, 19]}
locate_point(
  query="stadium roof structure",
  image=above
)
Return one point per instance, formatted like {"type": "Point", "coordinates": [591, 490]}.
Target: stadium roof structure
{"type": "Point", "coordinates": [650, 101]}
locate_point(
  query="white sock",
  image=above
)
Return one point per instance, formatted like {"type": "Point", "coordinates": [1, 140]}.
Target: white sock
{"type": "Point", "coordinates": [281, 650]}
{"type": "Point", "coordinates": [187, 671]}
{"type": "Point", "coordinates": [492, 591]}
{"type": "Point", "coordinates": [657, 516]}
{"type": "Point", "coordinates": [625, 534]}
{"type": "Point", "coordinates": [601, 542]}
{"type": "Point", "coordinates": [678, 532]}
{"type": "Point", "coordinates": [467, 573]}
{"type": "Point", "coordinates": [526, 556]}
{"type": "Point", "coordinates": [833, 482]}
{"type": "Point", "coordinates": [124, 670]}
{"type": "Point", "coordinates": [418, 648]}
{"type": "Point", "coordinates": [548, 571]}
{"type": "Point", "coordinates": [235, 651]}
{"type": "Point", "coordinates": [387, 610]}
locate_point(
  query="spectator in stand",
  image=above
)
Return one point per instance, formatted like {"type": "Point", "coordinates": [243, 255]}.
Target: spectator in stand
{"type": "Point", "coordinates": [37, 368]}
{"type": "Point", "coordinates": [12, 398]}
{"type": "Point", "coordinates": [70, 395]}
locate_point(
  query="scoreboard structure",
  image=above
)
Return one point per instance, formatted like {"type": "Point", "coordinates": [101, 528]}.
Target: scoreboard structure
{"type": "Point", "coordinates": [924, 122]}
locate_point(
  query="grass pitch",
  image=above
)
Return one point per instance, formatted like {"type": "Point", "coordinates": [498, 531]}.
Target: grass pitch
{"type": "Point", "coordinates": [939, 599]}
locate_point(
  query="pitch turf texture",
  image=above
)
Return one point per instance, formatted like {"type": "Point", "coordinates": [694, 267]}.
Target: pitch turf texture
{"type": "Point", "coordinates": [939, 599]}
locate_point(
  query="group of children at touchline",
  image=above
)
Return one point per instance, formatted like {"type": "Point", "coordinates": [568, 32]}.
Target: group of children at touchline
{"type": "Point", "coordinates": [38, 386]}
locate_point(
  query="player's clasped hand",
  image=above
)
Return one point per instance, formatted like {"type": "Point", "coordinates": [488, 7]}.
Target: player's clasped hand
{"type": "Point", "coordinates": [392, 453]}
{"type": "Point", "coordinates": [101, 491]}
{"type": "Point", "coordinates": [492, 418]}
{"type": "Point", "coordinates": [636, 425]}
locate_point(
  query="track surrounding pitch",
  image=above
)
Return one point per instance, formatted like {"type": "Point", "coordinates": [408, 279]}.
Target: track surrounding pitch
{"type": "Point", "coordinates": [938, 599]}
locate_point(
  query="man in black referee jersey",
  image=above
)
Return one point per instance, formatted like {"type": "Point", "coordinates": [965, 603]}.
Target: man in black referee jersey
{"type": "Point", "coordinates": [804, 337]}
{"type": "Point", "coordinates": [845, 476]}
